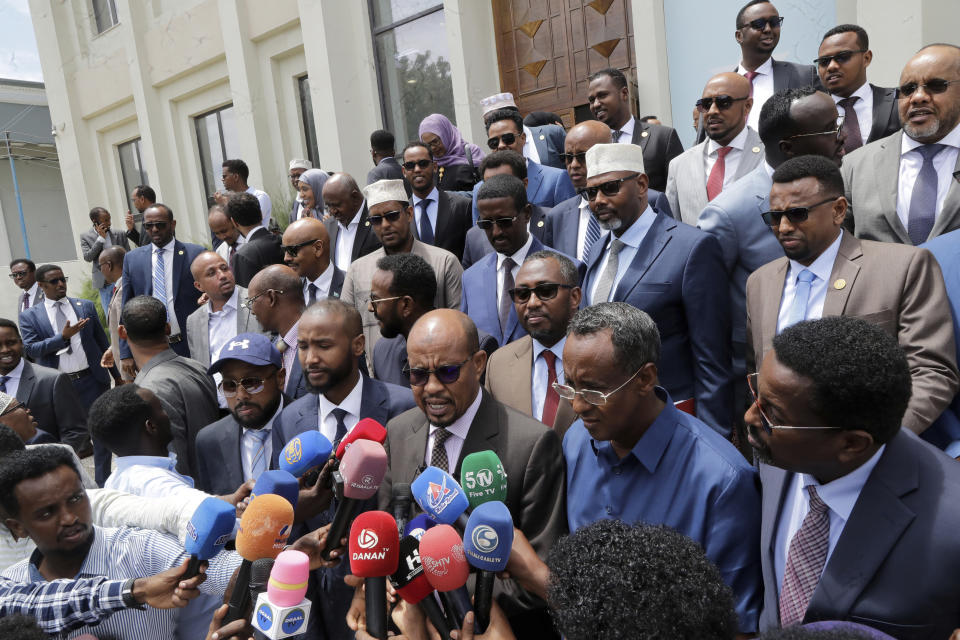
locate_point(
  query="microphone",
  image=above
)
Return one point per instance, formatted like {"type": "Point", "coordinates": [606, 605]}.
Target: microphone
{"type": "Point", "coordinates": [483, 478]}
{"type": "Point", "coordinates": [363, 467]}
{"type": "Point", "coordinates": [283, 610]}
{"type": "Point", "coordinates": [446, 568]}
{"type": "Point", "coordinates": [412, 585]}
{"type": "Point", "coordinates": [366, 429]}
{"type": "Point", "coordinates": [210, 527]}
{"type": "Point", "coordinates": [486, 543]}
{"type": "Point", "coordinates": [401, 504]}
{"type": "Point", "coordinates": [276, 482]}
{"type": "Point", "coordinates": [374, 555]}
{"type": "Point", "coordinates": [264, 529]}
{"type": "Point", "coordinates": [308, 450]}
{"type": "Point", "coordinates": [259, 575]}
{"type": "Point", "coordinates": [418, 526]}
{"type": "Point", "coordinates": [440, 496]}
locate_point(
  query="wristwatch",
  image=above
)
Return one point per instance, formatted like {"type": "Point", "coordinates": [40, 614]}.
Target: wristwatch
{"type": "Point", "coordinates": [127, 594]}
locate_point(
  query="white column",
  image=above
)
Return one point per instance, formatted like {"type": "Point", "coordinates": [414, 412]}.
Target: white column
{"type": "Point", "coordinates": [650, 51]}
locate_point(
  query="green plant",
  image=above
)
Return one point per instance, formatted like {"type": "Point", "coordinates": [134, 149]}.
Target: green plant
{"type": "Point", "coordinates": [89, 292]}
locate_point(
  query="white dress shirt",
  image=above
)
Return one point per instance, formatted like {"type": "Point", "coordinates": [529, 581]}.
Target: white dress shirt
{"type": "Point", "coordinates": [167, 281]}
{"type": "Point", "coordinates": [518, 258]}
{"type": "Point", "coordinates": [432, 210]}
{"type": "Point", "coordinates": [351, 404]}
{"type": "Point", "coordinates": [345, 237]}
{"type": "Point", "coordinates": [632, 238]}
{"type": "Point", "coordinates": [821, 268]}
{"type": "Point", "coordinates": [13, 382]}
{"type": "Point", "coordinates": [910, 163]}
{"type": "Point", "coordinates": [458, 434]}
{"type": "Point", "coordinates": [265, 206]}
{"type": "Point", "coordinates": [732, 160]}
{"type": "Point", "coordinates": [530, 147]}
{"type": "Point", "coordinates": [762, 90]}
{"type": "Point", "coordinates": [585, 215]}
{"type": "Point", "coordinates": [539, 387]}
{"type": "Point", "coordinates": [223, 249]}
{"type": "Point", "coordinates": [626, 135]}
{"type": "Point", "coordinates": [862, 107]}
{"type": "Point", "coordinates": [840, 496]}
{"type": "Point", "coordinates": [69, 362]}
{"type": "Point", "coordinates": [222, 325]}
{"type": "Point", "coordinates": [250, 445]}
{"type": "Point", "coordinates": [322, 283]}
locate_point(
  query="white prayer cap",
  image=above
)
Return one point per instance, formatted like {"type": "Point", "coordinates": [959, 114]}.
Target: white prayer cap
{"type": "Point", "coordinates": [5, 401]}
{"type": "Point", "coordinates": [300, 163]}
{"type": "Point", "coordinates": [498, 101]}
{"type": "Point", "coordinates": [604, 158]}
{"type": "Point", "coordinates": [385, 191]}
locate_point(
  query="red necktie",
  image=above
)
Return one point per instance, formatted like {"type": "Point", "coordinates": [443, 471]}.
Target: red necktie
{"type": "Point", "coordinates": [750, 75]}
{"type": "Point", "coordinates": [551, 399]}
{"type": "Point", "coordinates": [26, 300]}
{"type": "Point", "coordinates": [233, 251]}
{"type": "Point", "coordinates": [715, 181]}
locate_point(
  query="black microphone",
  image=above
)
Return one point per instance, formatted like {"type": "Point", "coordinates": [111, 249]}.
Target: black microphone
{"type": "Point", "coordinates": [402, 497]}
{"type": "Point", "coordinates": [259, 577]}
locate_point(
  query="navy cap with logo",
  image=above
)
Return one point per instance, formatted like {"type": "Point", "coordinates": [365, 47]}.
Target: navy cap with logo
{"type": "Point", "coordinates": [253, 348]}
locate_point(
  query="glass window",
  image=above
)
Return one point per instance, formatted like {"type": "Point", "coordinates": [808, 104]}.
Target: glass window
{"type": "Point", "coordinates": [132, 170]}
{"type": "Point", "coordinates": [306, 117]}
{"type": "Point", "coordinates": [104, 14]}
{"type": "Point", "coordinates": [217, 141]}
{"type": "Point", "coordinates": [387, 12]}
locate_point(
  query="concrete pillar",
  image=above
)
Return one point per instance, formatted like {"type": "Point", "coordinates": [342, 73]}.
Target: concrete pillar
{"type": "Point", "coordinates": [650, 50]}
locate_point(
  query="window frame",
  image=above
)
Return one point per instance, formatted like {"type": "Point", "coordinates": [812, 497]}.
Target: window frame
{"type": "Point", "coordinates": [142, 178]}
{"type": "Point", "coordinates": [111, 14]}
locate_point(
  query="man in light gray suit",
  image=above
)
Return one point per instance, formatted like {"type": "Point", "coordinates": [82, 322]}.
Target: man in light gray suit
{"type": "Point", "coordinates": [731, 151]}
{"type": "Point", "coordinates": [111, 266]}
{"type": "Point", "coordinates": [902, 188]}
{"type": "Point", "coordinates": [95, 240]}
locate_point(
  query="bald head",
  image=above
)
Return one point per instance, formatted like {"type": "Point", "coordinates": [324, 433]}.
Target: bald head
{"type": "Point", "coordinates": [309, 255]}
{"type": "Point", "coordinates": [579, 139]}
{"type": "Point", "coordinates": [221, 225]}
{"type": "Point", "coordinates": [279, 278]}
{"type": "Point", "coordinates": [342, 197]}
{"type": "Point", "coordinates": [592, 131]}
{"type": "Point", "coordinates": [212, 276]}
{"type": "Point", "coordinates": [277, 296]}
{"type": "Point", "coordinates": [446, 323]}
{"type": "Point", "coordinates": [346, 315]}
{"type": "Point", "coordinates": [725, 105]}
{"type": "Point", "coordinates": [110, 262]}
{"type": "Point", "coordinates": [735, 84]}
{"type": "Point", "coordinates": [203, 260]}
{"type": "Point", "coordinates": [928, 117]}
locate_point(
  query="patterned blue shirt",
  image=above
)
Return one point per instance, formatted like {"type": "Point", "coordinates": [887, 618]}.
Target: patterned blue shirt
{"type": "Point", "coordinates": [62, 605]}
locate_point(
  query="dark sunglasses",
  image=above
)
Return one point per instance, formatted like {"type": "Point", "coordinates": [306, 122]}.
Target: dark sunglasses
{"type": "Point", "coordinates": [760, 23]}
{"type": "Point", "coordinates": [250, 385]}
{"type": "Point", "coordinates": [16, 275]}
{"type": "Point", "coordinates": [795, 214]}
{"type": "Point", "coordinates": [544, 291]}
{"type": "Point", "coordinates": [841, 58]}
{"type": "Point", "coordinates": [486, 223]}
{"type": "Point", "coordinates": [389, 216]}
{"type": "Point", "coordinates": [294, 249]}
{"type": "Point", "coordinates": [937, 85]}
{"type": "Point", "coordinates": [446, 374]}
{"type": "Point", "coordinates": [723, 103]}
{"type": "Point", "coordinates": [155, 225]}
{"type": "Point", "coordinates": [570, 157]}
{"type": "Point", "coordinates": [508, 139]}
{"type": "Point", "coordinates": [410, 165]}
{"type": "Point", "coordinates": [609, 188]}
{"type": "Point", "coordinates": [62, 279]}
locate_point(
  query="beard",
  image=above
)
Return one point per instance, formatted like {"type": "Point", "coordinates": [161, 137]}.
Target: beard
{"type": "Point", "coordinates": [610, 225]}
{"type": "Point", "coordinates": [256, 420]}
{"type": "Point", "coordinates": [334, 377]}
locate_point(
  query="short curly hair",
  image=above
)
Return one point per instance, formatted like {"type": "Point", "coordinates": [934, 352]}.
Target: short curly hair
{"type": "Point", "coordinates": [610, 580]}
{"type": "Point", "coordinates": [861, 379]}
{"type": "Point", "coordinates": [18, 627]}
{"type": "Point", "coordinates": [35, 462]}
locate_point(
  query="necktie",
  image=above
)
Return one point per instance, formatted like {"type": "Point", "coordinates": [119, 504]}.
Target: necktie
{"type": "Point", "coordinates": [798, 310]}
{"type": "Point", "coordinates": [312, 293]}
{"type": "Point", "coordinates": [3, 383]}
{"type": "Point", "coordinates": [62, 321]}
{"type": "Point", "coordinates": [551, 400]}
{"type": "Point", "coordinates": [616, 135]}
{"type": "Point", "coordinates": [851, 125]}
{"type": "Point", "coordinates": [339, 414]}
{"type": "Point", "coordinates": [233, 252]}
{"type": "Point", "coordinates": [593, 234]}
{"type": "Point", "coordinates": [160, 278]}
{"type": "Point", "coordinates": [750, 75]}
{"type": "Point", "coordinates": [258, 464]}
{"type": "Point", "coordinates": [505, 303]}
{"type": "Point", "coordinates": [605, 285]}
{"type": "Point", "coordinates": [438, 458]}
{"type": "Point", "coordinates": [806, 558]}
{"type": "Point", "coordinates": [715, 181]}
{"type": "Point", "coordinates": [923, 201]}
{"type": "Point", "coordinates": [25, 301]}
{"type": "Point", "coordinates": [426, 231]}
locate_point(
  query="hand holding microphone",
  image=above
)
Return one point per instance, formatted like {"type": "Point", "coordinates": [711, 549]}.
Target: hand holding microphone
{"type": "Point", "coordinates": [374, 555]}
{"type": "Point", "coordinates": [414, 588]}
{"type": "Point", "coordinates": [304, 455]}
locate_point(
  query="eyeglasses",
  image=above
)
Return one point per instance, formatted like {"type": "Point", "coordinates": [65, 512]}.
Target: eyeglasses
{"type": "Point", "coordinates": [795, 214]}
{"type": "Point", "coordinates": [13, 407]}
{"type": "Point", "coordinates": [446, 374]}
{"type": "Point", "coordinates": [487, 223]}
{"type": "Point", "coordinates": [249, 301]}
{"type": "Point", "coordinates": [829, 132]}
{"type": "Point", "coordinates": [609, 188]}
{"type": "Point", "coordinates": [723, 103]}
{"type": "Point", "coordinates": [155, 225]}
{"type": "Point", "coordinates": [543, 291]}
{"type": "Point", "coordinates": [767, 424]}
{"type": "Point", "coordinates": [596, 398]}
{"type": "Point", "coordinates": [252, 386]}
{"type": "Point", "coordinates": [16, 275]}
{"type": "Point", "coordinates": [841, 58]}
{"type": "Point", "coordinates": [62, 279]}
{"type": "Point", "coordinates": [374, 301]}
{"type": "Point", "coordinates": [389, 216]}
{"type": "Point", "coordinates": [410, 165]}
{"type": "Point", "coordinates": [760, 23]}
{"type": "Point", "coordinates": [934, 86]}
{"type": "Point", "coordinates": [294, 249]}
{"type": "Point", "coordinates": [508, 139]}
{"type": "Point", "coordinates": [570, 157]}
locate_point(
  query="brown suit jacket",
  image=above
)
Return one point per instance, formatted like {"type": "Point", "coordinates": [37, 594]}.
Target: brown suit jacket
{"type": "Point", "coordinates": [510, 381]}
{"type": "Point", "coordinates": [896, 287]}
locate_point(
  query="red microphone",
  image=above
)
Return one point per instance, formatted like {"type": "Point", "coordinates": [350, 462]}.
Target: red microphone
{"type": "Point", "coordinates": [374, 555]}
{"type": "Point", "coordinates": [366, 429]}
{"type": "Point", "coordinates": [446, 566]}
{"type": "Point", "coordinates": [362, 470]}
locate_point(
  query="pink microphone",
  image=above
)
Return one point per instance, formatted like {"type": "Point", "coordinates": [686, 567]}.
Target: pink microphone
{"type": "Point", "coordinates": [288, 579]}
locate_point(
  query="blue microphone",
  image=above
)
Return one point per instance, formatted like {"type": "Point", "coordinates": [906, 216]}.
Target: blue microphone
{"type": "Point", "coordinates": [439, 495]}
{"type": "Point", "coordinates": [418, 526]}
{"type": "Point", "coordinates": [210, 527]}
{"type": "Point", "coordinates": [486, 543]}
{"type": "Point", "coordinates": [277, 482]}
{"type": "Point", "coordinates": [308, 450]}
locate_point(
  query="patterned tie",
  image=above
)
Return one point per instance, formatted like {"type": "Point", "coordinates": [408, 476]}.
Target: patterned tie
{"type": "Point", "coordinates": [160, 278]}
{"type": "Point", "coordinates": [798, 310]}
{"type": "Point", "coordinates": [3, 383]}
{"type": "Point", "coordinates": [552, 399]}
{"type": "Point", "coordinates": [506, 303]}
{"type": "Point", "coordinates": [806, 558]}
{"type": "Point", "coordinates": [62, 321]}
{"type": "Point", "coordinates": [605, 286]}
{"type": "Point", "coordinates": [851, 125]}
{"type": "Point", "coordinates": [715, 181]}
{"type": "Point", "coordinates": [233, 252]}
{"type": "Point", "coordinates": [25, 300]}
{"type": "Point", "coordinates": [312, 293]}
{"type": "Point", "coordinates": [339, 414]}
{"type": "Point", "coordinates": [750, 75]}
{"type": "Point", "coordinates": [438, 458]}
{"type": "Point", "coordinates": [923, 201]}
{"type": "Point", "coordinates": [616, 135]}
{"type": "Point", "coordinates": [426, 231]}
{"type": "Point", "coordinates": [592, 235]}
{"type": "Point", "coordinates": [259, 463]}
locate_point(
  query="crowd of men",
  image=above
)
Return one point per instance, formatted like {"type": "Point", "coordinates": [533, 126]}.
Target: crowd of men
{"type": "Point", "coordinates": [745, 353]}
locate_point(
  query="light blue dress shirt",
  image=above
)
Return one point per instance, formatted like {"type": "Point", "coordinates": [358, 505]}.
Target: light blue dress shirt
{"type": "Point", "coordinates": [632, 238]}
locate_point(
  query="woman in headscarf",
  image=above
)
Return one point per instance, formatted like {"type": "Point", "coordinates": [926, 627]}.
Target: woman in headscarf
{"type": "Point", "coordinates": [310, 188]}
{"type": "Point", "coordinates": [458, 160]}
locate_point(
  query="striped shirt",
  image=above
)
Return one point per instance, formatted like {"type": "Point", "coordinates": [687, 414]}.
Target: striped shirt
{"type": "Point", "coordinates": [62, 605]}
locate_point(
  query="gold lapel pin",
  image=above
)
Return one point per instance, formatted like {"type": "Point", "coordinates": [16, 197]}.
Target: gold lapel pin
{"type": "Point", "coordinates": [644, 134]}
{"type": "Point", "coordinates": [543, 137]}
{"type": "Point", "coordinates": [367, 224]}
{"type": "Point", "coordinates": [180, 252]}
{"type": "Point", "coordinates": [756, 149]}
{"type": "Point", "coordinates": [839, 283]}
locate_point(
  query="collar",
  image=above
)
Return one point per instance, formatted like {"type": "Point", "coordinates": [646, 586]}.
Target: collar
{"type": "Point", "coordinates": [433, 195]}
{"type": "Point", "coordinates": [737, 143]}
{"type": "Point", "coordinates": [230, 304]}
{"type": "Point", "coordinates": [584, 203]}
{"type": "Point", "coordinates": [461, 426]}
{"type": "Point", "coordinates": [253, 231]}
{"type": "Point", "coordinates": [350, 404]}
{"type": "Point", "coordinates": [628, 128]}
{"type": "Point", "coordinates": [769, 169]}
{"type": "Point", "coordinates": [269, 425]}
{"type": "Point", "coordinates": [32, 291]}
{"type": "Point", "coordinates": [355, 221]}
{"type": "Point", "coordinates": [98, 562]}
{"type": "Point", "coordinates": [50, 304]}
{"type": "Point", "coordinates": [653, 443]}
{"type": "Point", "coordinates": [323, 280]}
{"type": "Point", "coordinates": [557, 349]}
{"type": "Point", "coordinates": [864, 92]}
{"type": "Point", "coordinates": [822, 267]}
{"type": "Point", "coordinates": [520, 254]}
{"type": "Point", "coordinates": [637, 231]}
{"type": "Point", "coordinates": [252, 190]}
{"type": "Point", "coordinates": [167, 248]}
{"type": "Point", "coordinates": [952, 139]}
{"type": "Point", "coordinates": [290, 337]}
{"type": "Point", "coordinates": [17, 372]}
{"type": "Point", "coordinates": [841, 494]}
{"type": "Point", "coordinates": [765, 69]}
{"type": "Point", "coordinates": [167, 463]}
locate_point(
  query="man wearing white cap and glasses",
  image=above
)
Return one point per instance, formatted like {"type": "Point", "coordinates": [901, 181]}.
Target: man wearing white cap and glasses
{"type": "Point", "coordinates": [672, 271]}
{"type": "Point", "coordinates": [296, 169]}
{"type": "Point", "coordinates": [544, 144]}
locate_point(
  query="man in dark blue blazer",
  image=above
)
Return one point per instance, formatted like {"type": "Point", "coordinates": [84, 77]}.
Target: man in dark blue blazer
{"type": "Point", "coordinates": [672, 271]}
{"type": "Point", "coordinates": [141, 271]}
{"type": "Point", "coordinates": [548, 140]}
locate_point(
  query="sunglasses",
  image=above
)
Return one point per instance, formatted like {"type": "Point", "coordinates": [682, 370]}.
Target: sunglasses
{"type": "Point", "coordinates": [570, 157]}
{"type": "Point", "coordinates": [609, 188]}
{"type": "Point", "coordinates": [767, 424]}
{"type": "Point", "coordinates": [841, 58]}
{"type": "Point", "coordinates": [795, 214]}
{"type": "Point", "coordinates": [828, 132]}
{"type": "Point", "coordinates": [252, 386]}
{"type": "Point", "coordinates": [760, 23]}
{"type": "Point", "coordinates": [155, 225]}
{"type": "Point", "coordinates": [16, 275]}
{"type": "Point", "coordinates": [375, 301]}
{"type": "Point", "coordinates": [937, 85]}
{"type": "Point", "coordinates": [486, 223]}
{"type": "Point", "coordinates": [723, 103]}
{"type": "Point", "coordinates": [447, 374]}
{"type": "Point", "coordinates": [62, 279]}
{"type": "Point", "coordinates": [410, 165]}
{"type": "Point", "coordinates": [596, 398]}
{"type": "Point", "coordinates": [543, 291]}
{"type": "Point", "coordinates": [294, 249]}
{"type": "Point", "coordinates": [508, 139]}
{"type": "Point", "coordinates": [389, 216]}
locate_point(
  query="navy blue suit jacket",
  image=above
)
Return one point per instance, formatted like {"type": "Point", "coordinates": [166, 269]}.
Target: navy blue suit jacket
{"type": "Point", "coordinates": [477, 245]}
{"type": "Point", "coordinates": [41, 342]}
{"type": "Point", "coordinates": [677, 277]}
{"type": "Point", "coordinates": [549, 140]}
{"type": "Point", "coordinates": [546, 187]}
{"type": "Point", "coordinates": [138, 281]}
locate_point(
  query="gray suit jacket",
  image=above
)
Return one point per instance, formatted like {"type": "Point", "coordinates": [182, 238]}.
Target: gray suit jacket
{"type": "Point", "coordinates": [687, 181]}
{"type": "Point", "coordinates": [219, 467]}
{"type": "Point", "coordinates": [388, 169]}
{"type": "Point", "coordinates": [114, 309]}
{"type": "Point", "coordinates": [198, 332]}
{"type": "Point", "coordinates": [871, 176]}
{"type": "Point", "coordinates": [91, 251]}
{"type": "Point", "coordinates": [54, 404]}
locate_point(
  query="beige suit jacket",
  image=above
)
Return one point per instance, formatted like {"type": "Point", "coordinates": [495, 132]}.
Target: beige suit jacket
{"type": "Point", "coordinates": [510, 380]}
{"type": "Point", "coordinates": [896, 287]}
{"type": "Point", "coordinates": [113, 323]}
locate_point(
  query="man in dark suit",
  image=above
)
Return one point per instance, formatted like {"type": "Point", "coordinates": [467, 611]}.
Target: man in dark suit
{"type": "Point", "coordinates": [143, 197]}
{"type": "Point", "coordinates": [23, 272]}
{"type": "Point", "coordinates": [441, 219]}
{"type": "Point", "coordinates": [383, 152]}
{"type": "Point", "coordinates": [609, 98]}
{"type": "Point", "coordinates": [670, 270]}
{"type": "Point", "coordinates": [854, 507]}
{"type": "Point", "coordinates": [165, 261]}
{"type": "Point", "coordinates": [348, 227]}
{"type": "Point", "coordinates": [869, 112]}
{"type": "Point", "coordinates": [92, 242]}
{"type": "Point", "coordinates": [306, 250]}
{"type": "Point", "coordinates": [544, 143]}
{"type": "Point", "coordinates": [261, 247]}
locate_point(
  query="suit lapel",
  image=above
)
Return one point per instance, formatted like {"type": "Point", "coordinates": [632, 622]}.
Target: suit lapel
{"type": "Point", "coordinates": [779, 79]}
{"type": "Point", "coordinates": [593, 260]}
{"type": "Point", "coordinates": [538, 223]}
{"type": "Point", "coordinates": [243, 314]}
{"type": "Point", "coordinates": [772, 289]}
{"type": "Point", "coordinates": [517, 384]}
{"type": "Point", "coordinates": [844, 268]}
{"type": "Point", "coordinates": [641, 134]}
{"type": "Point", "coordinates": [230, 443]}
{"type": "Point", "coordinates": [488, 302]}
{"type": "Point", "coordinates": [179, 264]}
{"type": "Point", "coordinates": [483, 431]}
{"type": "Point", "coordinates": [887, 172]}
{"type": "Point", "coordinates": [649, 250]}
{"type": "Point", "coordinates": [373, 402]}
{"type": "Point", "coordinates": [28, 380]}
{"type": "Point", "coordinates": [443, 217]}
{"type": "Point", "coordinates": [775, 483]}
{"type": "Point", "coordinates": [363, 231]}
{"type": "Point", "coordinates": [881, 113]}
{"type": "Point", "coordinates": [534, 180]}
{"type": "Point", "coordinates": [951, 206]}
{"type": "Point", "coordinates": [749, 159]}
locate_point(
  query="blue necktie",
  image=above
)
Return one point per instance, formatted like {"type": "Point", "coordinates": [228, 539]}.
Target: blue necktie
{"type": "Point", "coordinates": [426, 231]}
{"type": "Point", "coordinates": [593, 234]}
{"type": "Point", "coordinates": [801, 297]}
{"type": "Point", "coordinates": [923, 202]}
{"type": "Point", "coordinates": [258, 464]}
{"type": "Point", "coordinates": [3, 383]}
{"type": "Point", "coordinates": [339, 414]}
{"type": "Point", "coordinates": [160, 279]}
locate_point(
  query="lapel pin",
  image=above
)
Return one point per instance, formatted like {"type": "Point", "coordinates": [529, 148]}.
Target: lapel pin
{"type": "Point", "coordinates": [756, 149]}
{"type": "Point", "coordinates": [540, 224]}
{"type": "Point", "coordinates": [644, 134]}
{"type": "Point", "coordinates": [839, 283]}
{"type": "Point", "coordinates": [180, 252]}
{"type": "Point", "coordinates": [543, 137]}
{"type": "Point", "coordinates": [367, 223]}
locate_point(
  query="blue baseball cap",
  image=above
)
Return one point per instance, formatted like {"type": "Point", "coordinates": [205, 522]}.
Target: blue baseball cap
{"type": "Point", "coordinates": [253, 348]}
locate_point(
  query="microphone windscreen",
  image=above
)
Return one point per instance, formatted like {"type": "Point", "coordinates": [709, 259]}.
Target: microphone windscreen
{"type": "Point", "coordinates": [307, 450]}
{"type": "Point", "coordinates": [444, 564]}
{"type": "Point", "coordinates": [418, 526]}
{"type": "Point", "coordinates": [366, 429]}
{"type": "Point", "coordinates": [363, 467]}
{"type": "Point", "coordinates": [260, 573]}
{"type": "Point", "coordinates": [374, 544]}
{"type": "Point", "coordinates": [288, 579]}
{"type": "Point", "coordinates": [264, 527]}
{"type": "Point", "coordinates": [483, 478]}
{"type": "Point", "coordinates": [439, 495]}
{"type": "Point", "coordinates": [277, 482]}
{"type": "Point", "coordinates": [210, 527]}
{"type": "Point", "coordinates": [489, 536]}
{"type": "Point", "coordinates": [408, 579]}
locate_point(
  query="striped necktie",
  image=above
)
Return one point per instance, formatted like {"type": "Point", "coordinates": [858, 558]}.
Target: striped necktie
{"type": "Point", "coordinates": [160, 278]}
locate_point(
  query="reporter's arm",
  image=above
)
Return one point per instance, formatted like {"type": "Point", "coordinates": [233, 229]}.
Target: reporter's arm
{"type": "Point", "coordinates": [236, 630]}
{"type": "Point", "coordinates": [526, 567]}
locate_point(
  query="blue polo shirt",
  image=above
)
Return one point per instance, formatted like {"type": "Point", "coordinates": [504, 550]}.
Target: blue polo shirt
{"type": "Point", "coordinates": [682, 474]}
